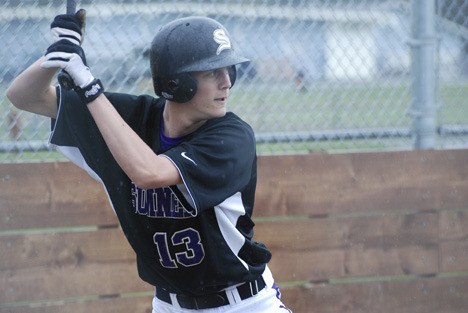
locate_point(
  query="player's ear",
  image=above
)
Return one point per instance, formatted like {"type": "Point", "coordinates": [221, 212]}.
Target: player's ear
{"type": "Point", "coordinates": [180, 88]}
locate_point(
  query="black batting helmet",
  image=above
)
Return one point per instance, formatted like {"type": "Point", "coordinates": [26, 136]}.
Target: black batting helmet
{"type": "Point", "coordinates": [188, 45]}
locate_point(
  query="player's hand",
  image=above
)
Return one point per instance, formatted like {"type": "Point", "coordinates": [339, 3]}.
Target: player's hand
{"type": "Point", "coordinates": [71, 58]}
{"type": "Point", "coordinates": [69, 26]}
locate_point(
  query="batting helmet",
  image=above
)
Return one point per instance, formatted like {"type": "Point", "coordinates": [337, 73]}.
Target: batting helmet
{"type": "Point", "coordinates": [188, 45]}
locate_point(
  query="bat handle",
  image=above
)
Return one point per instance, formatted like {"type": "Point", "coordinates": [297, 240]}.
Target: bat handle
{"type": "Point", "coordinates": [63, 77]}
{"type": "Point", "coordinates": [71, 6]}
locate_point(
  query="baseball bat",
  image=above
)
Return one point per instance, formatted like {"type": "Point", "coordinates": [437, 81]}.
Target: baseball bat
{"type": "Point", "coordinates": [63, 77]}
{"type": "Point", "coordinates": [71, 6]}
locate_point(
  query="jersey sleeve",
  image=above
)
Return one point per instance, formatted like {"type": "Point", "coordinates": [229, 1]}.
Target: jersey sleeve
{"type": "Point", "coordinates": [219, 162]}
{"type": "Point", "coordinates": [76, 135]}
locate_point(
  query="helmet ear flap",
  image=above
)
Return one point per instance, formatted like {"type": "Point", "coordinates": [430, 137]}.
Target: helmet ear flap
{"type": "Point", "coordinates": [180, 88]}
{"type": "Point", "coordinates": [232, 74]}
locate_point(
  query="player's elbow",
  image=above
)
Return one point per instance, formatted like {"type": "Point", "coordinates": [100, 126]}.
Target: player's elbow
{"type": "Point", "coordinates": [148, 181]}
{"type": "Point", "coordinates": [15, 97]}
{"type": "Point", "coordinates": [158, 178]}
{"type": "Point", "coordinates": [20, 98]}
{"type": "Point", "coordinates": [41, 102]}
{"type": "Point", "coordinates": [151, 172]}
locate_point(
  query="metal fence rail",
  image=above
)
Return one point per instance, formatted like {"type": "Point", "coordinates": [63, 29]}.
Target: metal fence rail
{"type": "Point", "coordinates": [325, 74]}
{"type": "Point", "coordinates": [279, 137]}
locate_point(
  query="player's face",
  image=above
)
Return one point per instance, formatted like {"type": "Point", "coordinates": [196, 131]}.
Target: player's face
{"type": "Point", "coordinates": [212, 93]}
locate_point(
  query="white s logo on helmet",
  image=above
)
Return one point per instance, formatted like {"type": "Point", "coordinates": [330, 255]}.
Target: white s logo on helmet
{"type": "Point", "coordinates": [220, 37]}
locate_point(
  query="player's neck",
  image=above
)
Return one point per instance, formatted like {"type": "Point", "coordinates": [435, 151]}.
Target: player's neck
{"type": "Point", "coordinates": [177, 121]}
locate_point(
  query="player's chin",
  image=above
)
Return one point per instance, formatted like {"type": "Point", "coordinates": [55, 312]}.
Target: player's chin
{"type": "Point", "coordinates": [219, 112]}
{"type": "Point", "coordinates": [219, 107]}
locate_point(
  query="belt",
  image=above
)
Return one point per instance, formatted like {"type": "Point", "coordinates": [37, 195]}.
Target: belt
{"type": "Point", "coordinates": [213, 300]}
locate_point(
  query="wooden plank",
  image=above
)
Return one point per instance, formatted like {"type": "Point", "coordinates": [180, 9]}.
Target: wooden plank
{"type": "Point", "coordinates": [320, 184]}
{"type": "Point", "coordinates": [49, 266]}
{"type": "Point", "coordinates": [61, 194]}
{"type": "Point", "coordinates": [335, 243]}
{"type": "Point", "coordinates": [41, 265]}
{"type": "Point", "coordinates": [454, 241]}
{"type": "Point", "coordinates": [38, 250]}
{"type": "Point", "coordinates": [454, 224]}
{"type": "Point", "coordinates": [454, 256]}
{"type": "Point", "coordinates": [141, 304]}
{"type": "Point", "coordinates": [316, 249]}
{"type": "Point", "coordinates": [435, 295]}
{"type": "Point", "coordinates": [38, 284]}
{"type": "Point", "coordinates": [322, 265]}
{"type": "Point", "coordinates": [51, 195]}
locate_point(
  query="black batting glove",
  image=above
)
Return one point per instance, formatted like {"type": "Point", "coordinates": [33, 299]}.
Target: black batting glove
{"type": "Point", "coordinates": [69, 26]}
{"type": "Point", "coordinates": [71, 58]}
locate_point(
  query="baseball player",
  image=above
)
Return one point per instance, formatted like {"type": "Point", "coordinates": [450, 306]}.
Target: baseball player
{"type": "Point", "coordinates": [179, 170]}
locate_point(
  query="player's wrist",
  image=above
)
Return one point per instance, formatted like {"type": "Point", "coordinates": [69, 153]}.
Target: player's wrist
{"type": "Point", "coordinates": [90, 92]}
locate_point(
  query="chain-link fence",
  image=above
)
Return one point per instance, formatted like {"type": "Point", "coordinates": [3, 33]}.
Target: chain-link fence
{"type": "Point", "coordinates": [325, 74]}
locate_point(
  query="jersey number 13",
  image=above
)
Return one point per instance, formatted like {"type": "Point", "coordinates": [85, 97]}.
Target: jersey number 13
{"type": "Point", "coordinates": [192, 254]}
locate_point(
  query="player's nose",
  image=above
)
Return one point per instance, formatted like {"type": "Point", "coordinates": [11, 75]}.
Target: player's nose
{"type": "Point", "coordinates": [225, 79]}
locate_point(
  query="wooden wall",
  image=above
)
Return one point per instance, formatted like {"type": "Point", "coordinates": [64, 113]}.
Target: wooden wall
{"type": "Point", "coordinates": [361, 232]}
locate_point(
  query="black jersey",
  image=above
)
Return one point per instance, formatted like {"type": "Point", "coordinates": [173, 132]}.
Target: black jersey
{"type": "Point", "coordinates": [193, 238]}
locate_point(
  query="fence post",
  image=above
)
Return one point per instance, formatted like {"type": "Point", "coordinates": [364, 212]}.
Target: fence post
{"type": "Point", "coordinates": [423, 44]}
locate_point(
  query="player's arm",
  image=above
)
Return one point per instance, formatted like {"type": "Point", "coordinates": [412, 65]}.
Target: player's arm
{"type": "Point", "coordinates": [135, 157]}
{"type": "Point", "coordinates": [32, 90]}
{"type": "Point", "coordinates": [144, 167]}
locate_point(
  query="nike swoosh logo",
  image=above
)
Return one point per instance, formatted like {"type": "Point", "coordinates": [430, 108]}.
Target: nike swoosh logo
{"type": "Point", "coordinates": [185, 156]}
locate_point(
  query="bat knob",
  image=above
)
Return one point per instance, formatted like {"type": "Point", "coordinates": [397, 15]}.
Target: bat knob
{"type": "Point", "coordinates": [65, 80]}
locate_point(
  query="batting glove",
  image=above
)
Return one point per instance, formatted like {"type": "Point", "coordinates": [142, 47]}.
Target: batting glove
{"type": "Point", "coordinates": [71, 58]}
{"type": "Point", "coordinates": [69, 26]}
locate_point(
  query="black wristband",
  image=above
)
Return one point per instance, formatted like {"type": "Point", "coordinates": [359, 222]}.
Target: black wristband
{"type": "Point", "coordinates": [90, 92]}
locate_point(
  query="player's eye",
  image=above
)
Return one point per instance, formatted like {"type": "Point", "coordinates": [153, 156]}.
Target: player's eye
{"type": "Point", "coordinates": [211, 73]}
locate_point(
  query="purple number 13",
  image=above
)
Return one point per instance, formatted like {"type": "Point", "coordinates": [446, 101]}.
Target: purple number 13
{"type": "Point", "coordinates": [192, 255]}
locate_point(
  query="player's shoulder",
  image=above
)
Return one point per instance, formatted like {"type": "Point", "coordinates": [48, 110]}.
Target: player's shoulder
{"type": "Point", "coordinates": [130, 99]}
{"type": "Point", "coordinates": [228, 126]}
{"type": "Point", "coordinates": [135, 107]}
{"type": "Point", "coordinates": [233, 120]}
{"type": "Point", "coordinates": [229, 121]}
{"type": "Point", "coordinates": [238, 122]}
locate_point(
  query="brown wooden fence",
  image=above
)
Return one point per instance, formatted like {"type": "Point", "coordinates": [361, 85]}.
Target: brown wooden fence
{"type": "Point", "coordinates": [361, 232]}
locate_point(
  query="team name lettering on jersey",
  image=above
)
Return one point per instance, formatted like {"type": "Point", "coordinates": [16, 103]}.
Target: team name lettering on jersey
{"type": "Point", "coordinates": [157, 203]}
